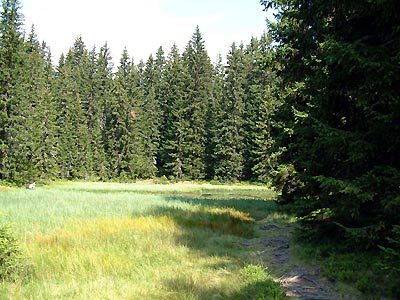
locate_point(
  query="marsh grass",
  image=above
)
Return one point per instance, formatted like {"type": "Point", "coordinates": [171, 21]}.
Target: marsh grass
{"type": "Point", "coordinates": [136, 241]}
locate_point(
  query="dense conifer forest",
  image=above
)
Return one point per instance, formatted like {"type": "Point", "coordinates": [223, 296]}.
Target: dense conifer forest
{"type": "Point", "coordinates": [313, 105]}
{"type": "Point", "coordinates": [175, 115]}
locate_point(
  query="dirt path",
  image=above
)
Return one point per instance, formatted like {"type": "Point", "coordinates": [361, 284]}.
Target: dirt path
{"type": "Point", "coordinates": [273, 249]}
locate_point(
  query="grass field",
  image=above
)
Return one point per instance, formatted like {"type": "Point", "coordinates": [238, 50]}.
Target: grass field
{"type": "Point", "coordinates": [138, 241]}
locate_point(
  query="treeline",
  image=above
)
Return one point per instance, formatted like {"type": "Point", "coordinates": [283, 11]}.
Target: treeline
{"type": "Point", "coordinates": [175, 115]}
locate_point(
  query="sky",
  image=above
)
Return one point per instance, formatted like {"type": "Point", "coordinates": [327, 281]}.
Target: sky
{"type": "Point", "coordinates": [142, 26]}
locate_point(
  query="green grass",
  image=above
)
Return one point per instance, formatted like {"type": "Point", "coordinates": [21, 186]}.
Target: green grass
{"type": "Point", "coordinates": [354, 270]}
{"type": "Point", "coordinates": [138, 241]}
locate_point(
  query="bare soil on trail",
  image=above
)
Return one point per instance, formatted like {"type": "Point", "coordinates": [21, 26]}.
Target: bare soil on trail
{"type": "Point", "coordinates": [273, 248]}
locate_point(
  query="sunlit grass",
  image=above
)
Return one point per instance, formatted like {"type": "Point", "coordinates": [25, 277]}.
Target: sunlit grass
{"type": "Point", "coordinates": [134, 241]}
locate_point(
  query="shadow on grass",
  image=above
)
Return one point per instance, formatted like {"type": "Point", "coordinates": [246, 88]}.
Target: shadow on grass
{"type": "Point", "coordinates": [213, 224]}
{"type": "Point", "coordinates": [257, 208]}
{"type": "Point", "coordinates": [218, 227]}
{"type": "Point", "coordinates": [222, 220]}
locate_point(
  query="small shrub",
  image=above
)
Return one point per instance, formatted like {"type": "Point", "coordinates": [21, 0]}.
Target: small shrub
{"type": "Point", "coordinates": [260, 285]}
{"type": "Point", "coordinates": [365, 284]}
{"type": "Point", "coordinates": [252, 274]}
{"type": "Point", "coordinates": [13, 265]}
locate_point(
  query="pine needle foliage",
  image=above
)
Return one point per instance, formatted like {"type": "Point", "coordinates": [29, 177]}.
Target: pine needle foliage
{"type": "Point", "coordinates": [340, 118]}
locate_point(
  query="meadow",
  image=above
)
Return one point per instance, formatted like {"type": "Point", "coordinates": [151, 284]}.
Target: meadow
{"type": "Point", "coordinates": [87, 240]}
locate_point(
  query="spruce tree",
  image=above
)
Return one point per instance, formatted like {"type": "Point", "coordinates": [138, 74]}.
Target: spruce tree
{"type": "Point", "coordinates": [252, 101]}
{"type": "Point", "coordinates": [21, 144]}
{"type": "Point", "coordinates": [151, 108]}
{"type": "Point", "coordinates": [264, 151]}
{"type": "Point", "coordinates": [229, 160]}
{"type": "Point", "coordinates": [341, 115]}
{"type": "Point", "coordinates": [72, 103]}
{"type": "Point", "coordinates": [36, 131]}
{"type": "Point", "coordinates": [143, 150]}
{"type": "Point", "coordinates": [175, 121]}
{"type": "Point", "coordinates": [11, 112]}
{"type": "Point", "coordinates": [260, 105]}
{"type": "Point", "coordinates": [94, 115]}
{"type": "Point", "coordinates": [103, 83]}
{"type": "Point", "coordinates": [125, 148]}
{"type": "Point", "coordinates": [216, 112]}
{"type": "Point", "coordinates": [159, 93]}
{"type": "Point", "coordinates": [47, 125]}
{"type": "Point", "coordinates": [159, 70]}
{"type": "Point", "coordinates": [118, 115]}
{"type": "Point", "coordinates": [199, 94]}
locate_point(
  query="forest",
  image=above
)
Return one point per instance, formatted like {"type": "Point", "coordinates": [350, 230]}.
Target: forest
{"type": "Point", "coordinates": [175, 115]}
{"type": "Point", "coordinates": [312, 107]}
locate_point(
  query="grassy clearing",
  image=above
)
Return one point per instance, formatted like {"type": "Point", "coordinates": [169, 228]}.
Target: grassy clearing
{"type": "Point", "coordinates": [138, 241]}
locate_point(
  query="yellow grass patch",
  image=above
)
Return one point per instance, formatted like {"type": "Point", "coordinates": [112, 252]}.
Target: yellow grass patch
{"type": "Point", "coordinates": [233, 214]}
{"type": "Point", "coordinates": [223, 220]}
{"type": "Point", "coordinates": [4, 188]}
{"type": "Point", "coordinates": [103, 229]}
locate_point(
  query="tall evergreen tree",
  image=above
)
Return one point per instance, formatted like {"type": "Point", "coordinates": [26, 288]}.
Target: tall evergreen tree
{"type": "Point", "coordinates": [94, 115]}
{"type": "Point", "coordinates": [143, 149]}
{"type": "Point", "coordinates": [341, 114]}
{"type": "Point", "coordinates": [159, 70]}
{"type": "Point", "coordinates": [259, 108]}
{"type": "Point", "coordinates": [229, 146]}
{"type": "Point", "coordinates": [215, 112]}
{"type": "Point", "coordinates": [103, 83]}
{"type": "Point", "coordinates": [252, 100]}
{"type": "Point", "coordinates": [175, 112]}
{"type": "Point", "coordinates": [11, 59]}
{"type": "Point", "coordinates": [264, 151]}
{"type": "Point", "coordinates": [72, 103]}
{"type": "Point", "coordinates": [35, 126]}
{"type": "Point", "coordinates": [47, 125]}
{"type": "Point", "coordinates": [151, 108]}
{"type": "Point", "coordinates": [22, 144]}
{"type": "Point", "coordinates": [124, 141]}
{"type": "Point", "coordinates": [199, 94]}
{"type": "Point", "coordinates": [118, 110]}
{"type": "Point", "coordinates": [159, 93]}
